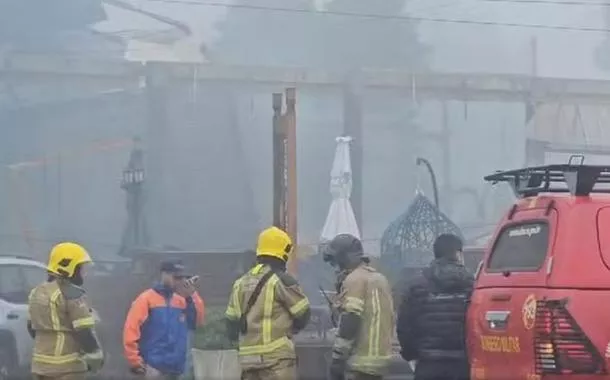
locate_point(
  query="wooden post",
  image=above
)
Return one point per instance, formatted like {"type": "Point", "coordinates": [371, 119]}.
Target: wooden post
{"type": "Point", "coordinates": [278, 162]}
{"type": "Point", "coordinates": [534, 56]}
{"type": "Point", "coordinates": [445, 145]}
{"type": "Point", "coordinates": [156, 138]}
{"type": "Point", "coordinates": [285, 168]}
{"type": "Point", "coordinates": [535, 151]}
{"type": "Point", "coordinates": [291, 173]}
{"type": "Point", "coordinates": [530, 107]}
{"type": "Point", "coordinates": [251, 214]}
{"type": "Point", "coordinates": [59, 184]}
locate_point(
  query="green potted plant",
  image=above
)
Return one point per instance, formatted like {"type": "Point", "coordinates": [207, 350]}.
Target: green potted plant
{"type": "Point", "coordinates": [214, 355]}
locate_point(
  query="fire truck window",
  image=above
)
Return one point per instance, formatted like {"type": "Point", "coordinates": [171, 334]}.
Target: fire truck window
{"type": "Point", "coordinates": [472, 259]}
{"type": "Point", "coordinates": [520, 248]}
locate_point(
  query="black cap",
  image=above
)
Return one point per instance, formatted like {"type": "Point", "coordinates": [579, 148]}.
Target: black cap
{"type": "Point", "coordinates": [175, 267]}
{"type": "Point", "coordinates": [345, 243]}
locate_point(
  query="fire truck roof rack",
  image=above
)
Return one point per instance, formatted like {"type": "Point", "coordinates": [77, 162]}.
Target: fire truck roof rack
{"type": "Point", "coordinates": [574, 178]}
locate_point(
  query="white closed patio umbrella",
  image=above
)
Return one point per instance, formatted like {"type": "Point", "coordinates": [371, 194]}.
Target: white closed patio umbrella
{"type": "Point", "coordinates": [340, 218]}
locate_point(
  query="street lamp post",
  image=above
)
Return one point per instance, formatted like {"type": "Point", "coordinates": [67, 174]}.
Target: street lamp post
{"type": "Point", "coordinates": [134, 178]}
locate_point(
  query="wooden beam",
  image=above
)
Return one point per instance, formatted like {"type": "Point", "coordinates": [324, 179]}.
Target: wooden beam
{"type": "Point", "coordinates": [32, 64]}
{"type": "Point", "coordinates": [443, 86]}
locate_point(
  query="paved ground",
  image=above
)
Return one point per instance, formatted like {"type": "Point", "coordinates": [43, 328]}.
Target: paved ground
{"type": "Point", "coordinates": [311, 356]}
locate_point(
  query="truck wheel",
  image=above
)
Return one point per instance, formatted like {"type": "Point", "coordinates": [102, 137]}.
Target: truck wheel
{"type": "Point", "coordinates": [7, 356]}
{"type": "Point", "coordinates": [4, 364]}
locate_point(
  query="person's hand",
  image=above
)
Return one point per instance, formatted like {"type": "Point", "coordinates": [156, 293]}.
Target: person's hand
{"type": "Point", "coordinates": [186, 289]}
{"type": "Point", "coordinates": [337, 368]}
{"type": "Point", "coordinates": [412, 364]}
{"type": "Point", "coordinates": [139, 370]}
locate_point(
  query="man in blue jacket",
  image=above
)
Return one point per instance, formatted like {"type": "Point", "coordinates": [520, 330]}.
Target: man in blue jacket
{"type": "Point", "coordinates": [155, 336]}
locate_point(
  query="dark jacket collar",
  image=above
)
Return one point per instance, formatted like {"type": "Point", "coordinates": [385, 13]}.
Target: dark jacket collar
{"type": "Point", "coordinates": [162, 289]}
{"type": "Point", "coordinates": [276, 265]}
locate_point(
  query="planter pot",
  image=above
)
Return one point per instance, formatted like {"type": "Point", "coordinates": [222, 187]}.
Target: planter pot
{"type": "Point", "coordinates": [216, 365]}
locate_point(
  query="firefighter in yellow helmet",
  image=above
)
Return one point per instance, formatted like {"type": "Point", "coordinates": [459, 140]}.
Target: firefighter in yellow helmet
{"type": "Point", "coordinates": [363, 345]}
{"type": "Point", "coordinates": [266, 308]}
{"type": "Point", "coordinates": [61, 321]}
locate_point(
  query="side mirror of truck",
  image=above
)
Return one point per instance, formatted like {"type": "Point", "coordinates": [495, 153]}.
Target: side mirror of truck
{"type": "Point", "coordinates": [478, 271]}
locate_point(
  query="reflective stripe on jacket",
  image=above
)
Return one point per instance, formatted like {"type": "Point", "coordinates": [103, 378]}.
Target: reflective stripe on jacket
{"type": "Point", "coordinates": [367, 293]}
{"type": "Point", "coordinates": [156, 329]}
{"type": "Point", "coordinates": [270, 320]}
{"type": "Point", "coordinates": [55, 319]}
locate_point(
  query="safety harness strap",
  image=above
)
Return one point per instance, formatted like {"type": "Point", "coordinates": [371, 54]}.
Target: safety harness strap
{"type": "Point", "coordinates": [252, 300]}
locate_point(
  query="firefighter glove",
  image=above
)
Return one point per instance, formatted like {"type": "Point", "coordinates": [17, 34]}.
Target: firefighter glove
{"type": "Point", "coordinates": [337, 369]}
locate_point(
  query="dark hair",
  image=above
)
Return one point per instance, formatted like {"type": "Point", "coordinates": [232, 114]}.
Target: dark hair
{"type": "Point", "coordinates": [446, 246]}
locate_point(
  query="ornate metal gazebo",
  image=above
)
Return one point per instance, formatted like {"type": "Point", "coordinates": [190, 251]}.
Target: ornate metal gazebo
{"type": "Point", "coordinates": [411, 236]}
{"type": "Point", "coordinates": [407, 241]}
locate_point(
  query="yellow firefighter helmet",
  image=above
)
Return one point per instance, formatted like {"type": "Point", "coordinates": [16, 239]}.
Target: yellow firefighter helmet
{"type": "Point", "coordinates": [275, 243]}
{"type": "Point", "coordinates": [65, 257]}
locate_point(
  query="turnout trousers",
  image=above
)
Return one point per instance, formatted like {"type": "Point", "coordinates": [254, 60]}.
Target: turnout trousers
{"type": "Point", "coordinates": [285, 369]}
{"type": "Point", "coordinates": [442, 370]}
{"type": "Point", "coordinates": [66, 376]}
{"type": "Point", "coordinates": [155, 374]}
{"type": "Point", "coordinates": [353, 375]}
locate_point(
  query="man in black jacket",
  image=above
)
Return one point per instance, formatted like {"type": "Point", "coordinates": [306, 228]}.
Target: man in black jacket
{"type": "Point", "coordinates": [432, 315]}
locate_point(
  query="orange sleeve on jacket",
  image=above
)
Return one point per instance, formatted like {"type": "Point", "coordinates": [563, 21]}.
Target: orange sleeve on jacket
{"type": "Point", "coordinates": [137, 315]}
{"type": "Point", "coordinates": [200, 306]}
